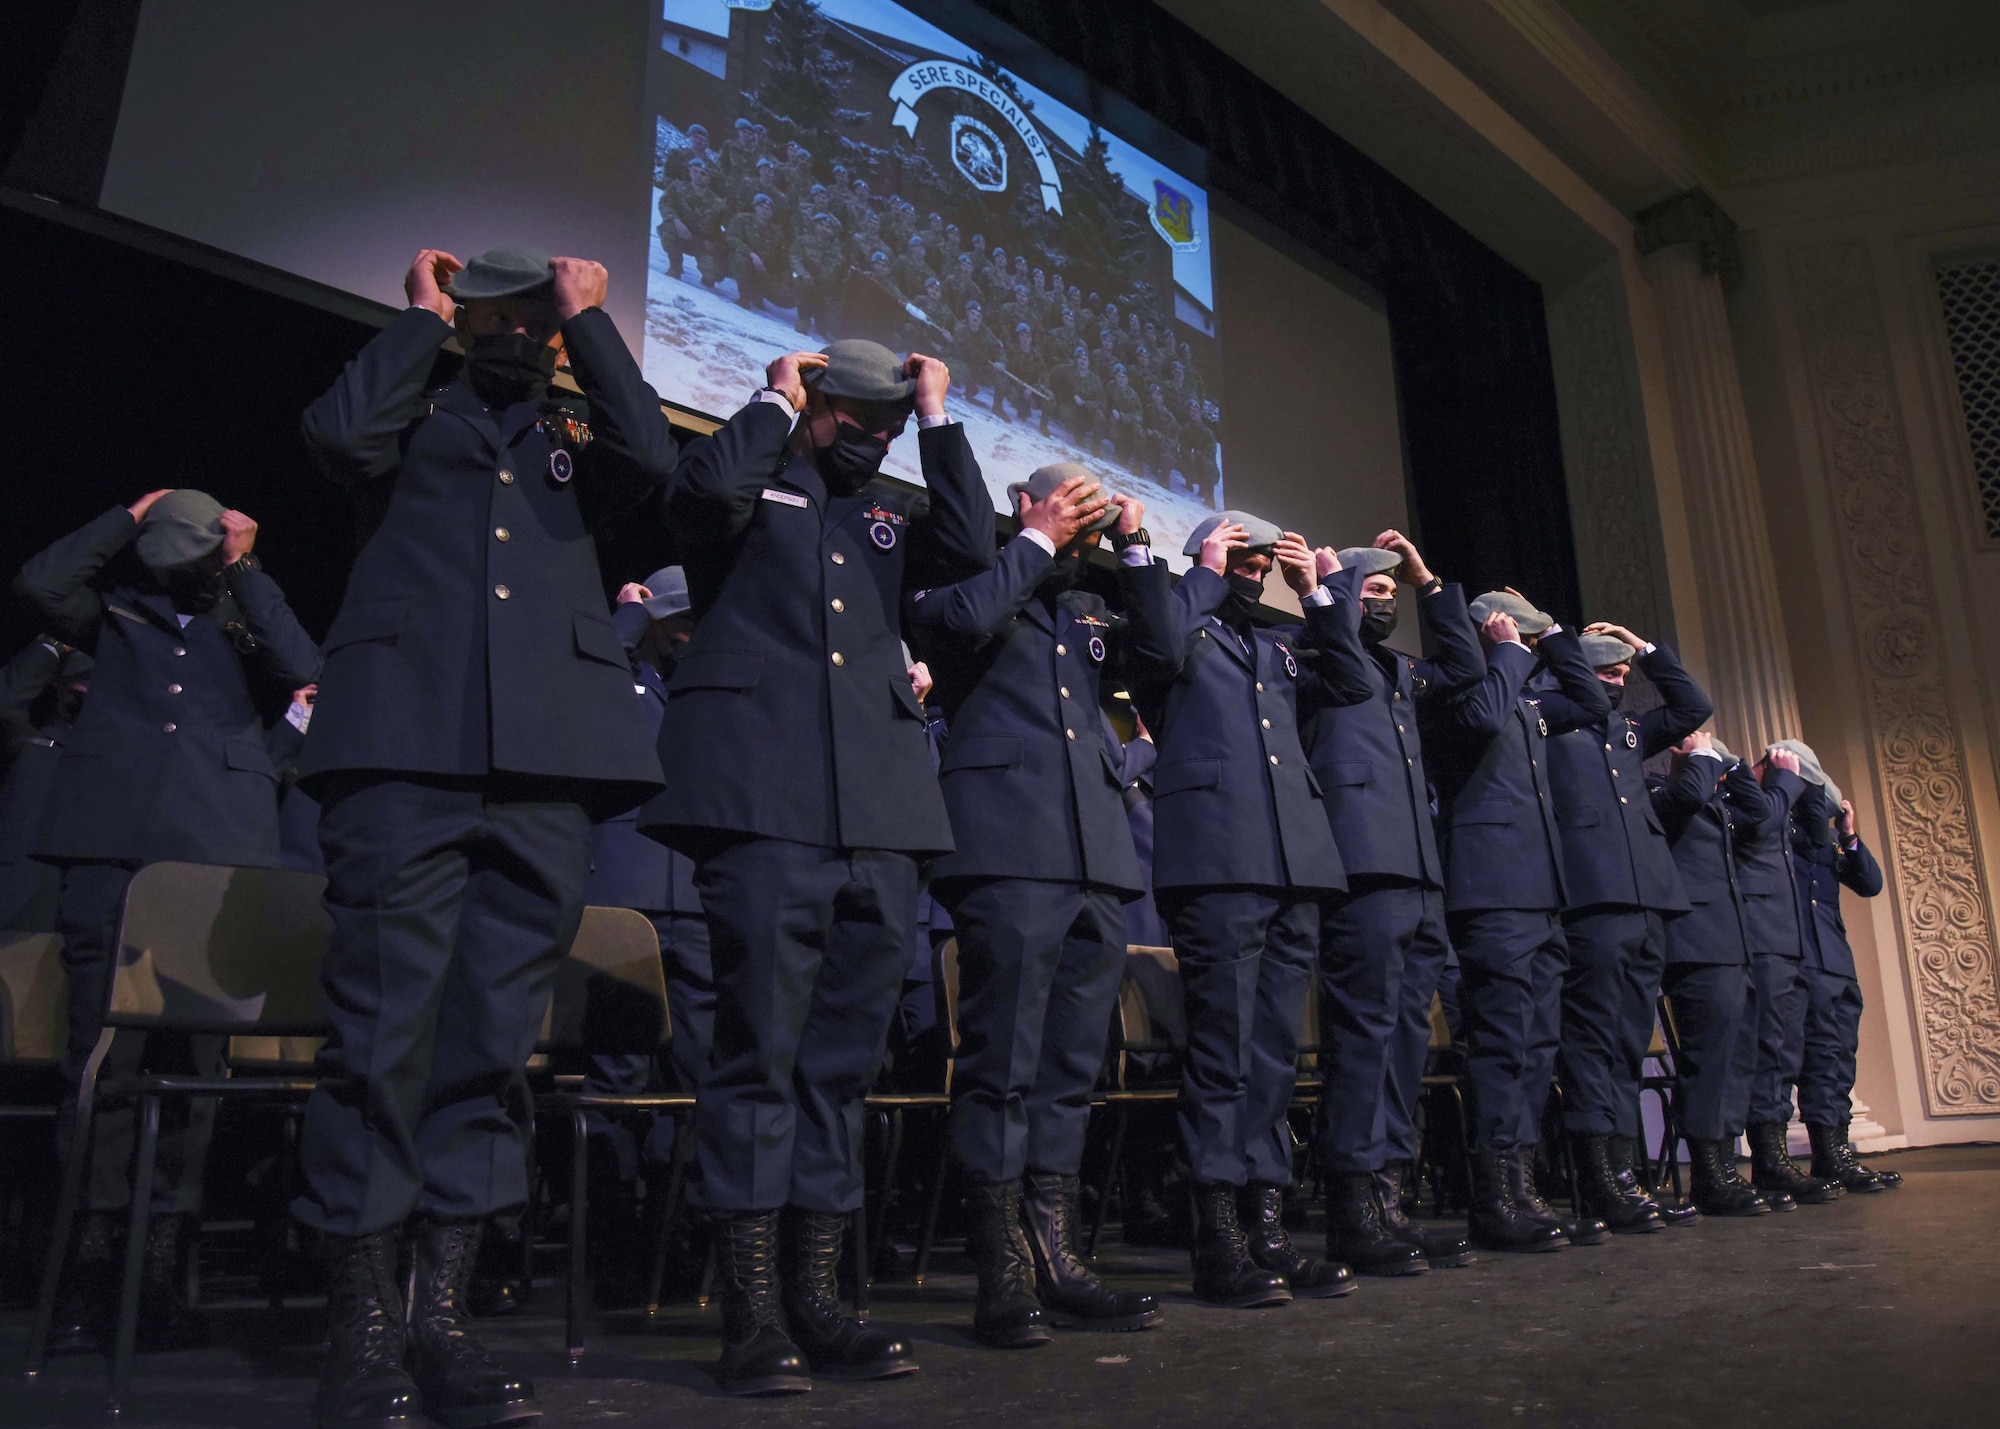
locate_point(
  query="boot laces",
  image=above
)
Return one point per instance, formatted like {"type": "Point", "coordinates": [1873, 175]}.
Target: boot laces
{"type": "Point", "coordinates": [750, 1256]}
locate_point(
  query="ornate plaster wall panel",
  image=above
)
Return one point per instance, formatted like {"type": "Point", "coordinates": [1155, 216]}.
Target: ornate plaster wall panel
{"type": "Point", "coordinates": [1933, 855]}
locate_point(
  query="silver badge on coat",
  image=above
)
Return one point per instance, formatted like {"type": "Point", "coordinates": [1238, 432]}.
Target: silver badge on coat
{"type": "Point", "coordinates": [1097, 648]}
{"type": "Point", "coordinates": [1631, 737]}
{"type": "Point", "coordinates": [883, 535]}
{"type": "Point", "coordinates": [561, 468]}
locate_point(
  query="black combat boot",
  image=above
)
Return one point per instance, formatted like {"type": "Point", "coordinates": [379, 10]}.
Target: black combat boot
{"type": "Point", "coordinates": [463, 1386]}
{"type": "Point", "coordinates": [1774, 1200]}
{"type": "Point", "coordinates": [1600, 1194]}
{"type": "Point", "coordinates": [1261, 1211]}
{"type": "Point", "coordinates": [1772, 1169]}
{"type": "Point", "coordinates": [1006, 1315]}
{"type": "Point", "coordinates": [1073, 1297]}
{"type": "Point", "coordinates": [758, 1357]}
{"type": "Point", "coordinates": [1579, 1230]}
{"type": "Point", "coordinates": [1355, 1232]}
{"type": "Point", "coordinates": [1672, 1212]}
{"type": "Point", "coordinates": [1224, 1273]}
{"type": "Point", "coordinates": [1834, 1159]}
{"type": "Point", "coordinates": [166, 1320]}
{"type": "Point", "coordinates": [85, 1304]}
{"type": "Point", "coordinates": [1497, 1223]}
{"type": "Point", "coordinates": [1717, 1190]}
{"type": "Point", "coordinates": [1890, 1179]}
{"type": "Point", "coordinates": [835, 1343]}
{"type": "Point", "coordinates": [1444, 1250]}
{"type": "Point", "coordinates": [363, 1384]}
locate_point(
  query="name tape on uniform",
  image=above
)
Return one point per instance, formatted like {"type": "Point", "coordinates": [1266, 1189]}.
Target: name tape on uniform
{"type": "Point", "coordinates": [783, 498]}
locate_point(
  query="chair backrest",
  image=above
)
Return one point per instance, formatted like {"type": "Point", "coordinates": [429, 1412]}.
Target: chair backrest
{"type": "Point", "coordinates": [34, 1016]}
{"type": "Point", "coordinates": [1440, 1028]}
{"type": "Point", "coordinates": [1309, 1046]}
{"type": "Point", "coordinates": [208, 948]}
{"type": "Point", "coordinates": [944, 986]}
{"type": "Point", "coordinates": [1150, 1012]}
{"type": "Point", "coordinates": [611, 992]}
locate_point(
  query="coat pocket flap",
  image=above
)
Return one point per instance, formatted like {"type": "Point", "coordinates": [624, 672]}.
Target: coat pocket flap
{"type": "Point", "coordinates": [1342, 773]}
{"type": "Point", "coordinates": [991, 751]}
{"type": "Point", "coordinates": [1490, 811]}
{"type": "Point", "coordinates": [249, 756]}
{"type": "Point", "coordinates": [1186, 774]}
{"type": "Point", "coordinates": [1577, 818]}
{"type": "Point", "coordinates": [596, 639]}
{"type": "Point", "coordinates": [367, 620]}
{"type": "Point", "coordinates": [717, 670]}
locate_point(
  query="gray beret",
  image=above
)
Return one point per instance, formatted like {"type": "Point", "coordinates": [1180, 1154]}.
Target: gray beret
{"type": "Point", "coordinates": [1370, 561]}
{"type": "Point", "coordinates": [502, 273]}
{"type": "Point", "coordinates": [1046, 479]}
{"type": "Point", "coordinates": [181, 527]}
{"type": "Point", "coordinates": [1499, 602]}
{"type": "Point", "coordinates": [1809, 766]}
{"type": "Point", "coordinates": [861, 371]}
{"type": "Point", "coordinates": [1259, 532]}
{"type": "Point", "coordinates": [1602, 650]}
{"type": "Point", "coordinates": [1715, 743]}
{"type": "Point", "coordinates": [669, 585]}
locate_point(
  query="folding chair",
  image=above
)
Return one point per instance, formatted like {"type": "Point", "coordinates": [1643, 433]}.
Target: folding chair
{"type": "Point", "coordinates": [944, 984]}
{"type": "Point", "coordinates": [1664, 1053]}
{"type": "Point", "coordinates": [1438, 1084]}
{"type": "Point", "coordinates": [1149, 1021]}
{"type": "Point", "coordinates": [610, 999]}
{"type": "Point", "coordinates": [202, 948]}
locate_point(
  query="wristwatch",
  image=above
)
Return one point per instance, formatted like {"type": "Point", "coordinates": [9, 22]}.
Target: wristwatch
{"type": "Point", "coordinates": [1120, 540]}
{"type": "Point", "coordinates": [1431, 586]}
{"type": "Point", "coordinates": [246, 562]}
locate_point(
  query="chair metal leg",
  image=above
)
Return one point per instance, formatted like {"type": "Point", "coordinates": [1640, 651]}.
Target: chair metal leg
{"type": "Point", "coordinates": [885, 1203]}
{"type": "Point", "coordinates": [676, 1177]}
{"type": "Point", "coordinates": [579, 1201]}
{"type": "Point", "coordinates": [930, 1218]}
{"type": "Point", "coordinates": [701, 1296]}
{"type": "Point", "coordinates": [859, 1220]}
{"type": "Point", "coordinates": [1113, 1184]}
{"type": "Point", "coordinates": [66, 1205]}
{"type": "Point", "coordinates": [135, 1251]}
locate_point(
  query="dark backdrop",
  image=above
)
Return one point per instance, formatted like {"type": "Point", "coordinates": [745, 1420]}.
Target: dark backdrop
{"type": "Point", "coordinates": [143, 363]}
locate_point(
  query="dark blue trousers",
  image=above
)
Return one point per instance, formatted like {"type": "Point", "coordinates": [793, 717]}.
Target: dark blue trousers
{"type": "Point", "coordinates": [1039, 965]}
{"type": "Point", "coordinates": [809, 945]}
{"type": "Point", "coordinates": [453, 903]}
{"type": "Point", "coordinates": [1781, 1036]}
{"type": "Point", "coordinates": [1715, 1010]}
{"type": "Point", "coordinates": [691, 1009]}
{"type": "Point", "coordinates": [1832, 1042]}
{"type": "Point", "coordinates": [1246, 958]}
{"type": "Point", "coordinates": [1381, 949]}
{"type": "Point", "coordinates": [1511, 964]}
{"type": "Point", "coordinates": [1615, 959]}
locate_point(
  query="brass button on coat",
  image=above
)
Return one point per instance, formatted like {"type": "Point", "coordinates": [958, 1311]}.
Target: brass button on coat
{"type": "Point", "coordinates": [502, 591]}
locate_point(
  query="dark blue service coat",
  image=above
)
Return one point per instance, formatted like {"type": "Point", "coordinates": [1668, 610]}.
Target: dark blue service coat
{"type": "Point", "coordinates": [1489, 758]}
{"type": "Point", "coordinates": [1030, 777]}
{"type": "Point", "coordinates": [1615, 850]}
{"type": "Point", "coordinates": [1771, 922]}
{"type": "Point", "coordinates": [1705, 804]}
{"type": "Point", "coordinates": [473, 638]}
{"type": "Point", "coordinates": [1369, 756]}
{"type": "Point", "coordinates": [167, 760]}
{"type": "Point", "coordinates": [1234, 801]}
{"type": "Point", "coordinates": [627, 869]}
{"type": "Point", "coordinates": [791, 715]}
{"type": "Point", "coordinates": [1822, 870]}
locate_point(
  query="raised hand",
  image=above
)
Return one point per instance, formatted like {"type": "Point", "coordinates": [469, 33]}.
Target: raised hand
{"type": "Point", "coordinates": [632, 592]}
{"type": "Point", "coordinates": [239, 534]}
{"type": "Point", "coordinates": [1073, 505]}
{"type": "Point", "coordinates": [1215, 548]}
{"type": "Point", "coordinates": [920, 680]}
{"type": "Point", "coordinates": [424, 284]}
{"type": "Point", "coordinates": [786, 375]}
{"type": "Point", "coordinates": [1326, 561]}
{"type": "Point", "coordinates": [1131, 512]}
{"type": "Point", "coordinates": [1617, 632]}
{"type": "Point", "coordinates": [578, 283]}
{"type": "Point", "coordinates": [1783, 759]}
{"type": "Point", "coordinates": [933, 381]}
{"type": "Point", "coordinates": [1413, 569]}
{"type": "Point", "coordinates": [1499, 629]}
{"type": "Point", "coordinates": [1296, 563]}
{"type": "Point", "coordinates": [144, 504]}
{"type": "Point", "coordinates": [1846, 819]}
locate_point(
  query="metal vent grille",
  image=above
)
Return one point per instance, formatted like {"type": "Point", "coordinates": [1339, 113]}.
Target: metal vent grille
{"type": "Point", "coordinates": [1970, 295]}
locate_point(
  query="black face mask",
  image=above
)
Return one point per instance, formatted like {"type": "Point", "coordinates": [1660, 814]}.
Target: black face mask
{"type": "Point", "coordinates": [846, 464]}
{"type": "Point", "coordinates": [192, 590]}
{"type": "Point", "coordinates": [1614, 693]}
{"type": "Point", "coordinates": [509, 366]}
{"type": "Point", "coordinates": [1065, 574]}
{"type": "Point", "coordinates": [1378, 618]}
{"type": "Point", "coordinates": [1246, 593]}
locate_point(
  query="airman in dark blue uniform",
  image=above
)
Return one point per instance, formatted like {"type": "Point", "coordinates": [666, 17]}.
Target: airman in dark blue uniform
{"type": "Point", "coordinates": [1242, 854]}
{"type": "Point", "coordinates": [166, 761]}
{"type": "Point", "coordinates": [804, 792]}
{"type": "Point", "coordinates": [1383, 945]}
{"type": "Point", "coordinates": [1623, 888]}
{"type": "Point", "coordinates": [1709, 801]}
{"type": "Point", "coordinates": [1504, 894]}
{"type": "Point", "coordinates": [1775, 931]}
{"type": "Point", "coordinates": [476, 713]}
{"type": "Point", "coordinates": [41, 694]}
{"type": "Point", "coordinates": [1827, 856]}
{"type": "Point", "coordinates": [1043, 862]}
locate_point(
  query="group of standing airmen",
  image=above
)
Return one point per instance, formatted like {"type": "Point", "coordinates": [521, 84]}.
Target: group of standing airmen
{"type": "Point", "coordinates": [1326, 808]}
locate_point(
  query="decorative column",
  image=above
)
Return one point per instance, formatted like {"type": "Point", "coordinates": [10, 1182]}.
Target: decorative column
{"type": "Point", "coordinates": [1688, 248]}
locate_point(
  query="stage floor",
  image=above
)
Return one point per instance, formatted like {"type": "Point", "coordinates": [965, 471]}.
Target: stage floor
{"type": "Point", "coordinates": [1879, 1310]}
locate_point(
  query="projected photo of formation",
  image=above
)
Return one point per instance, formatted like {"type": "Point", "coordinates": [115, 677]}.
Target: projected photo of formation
{"type": "Point", "coordinates": [842, 168]}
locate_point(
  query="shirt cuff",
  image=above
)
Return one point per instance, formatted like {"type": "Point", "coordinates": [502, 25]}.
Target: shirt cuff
{"type": "Point", "coordinates": [1040, 538]}
{"type": "Point", "coordinates": [1710, 754]}
{"type": "Point", "coordinates": [1554, 629]}
{"type": "Point", "coordinates": [924, 424]}
{"type": "Point", "coordinates": [1318, 595]}
{"type": "Point", "coordinates": [1136, 556]}
{"type": "Point", "coordinates": [1648, 648]}
{"type": "Point", "coordinates": [777, 399]}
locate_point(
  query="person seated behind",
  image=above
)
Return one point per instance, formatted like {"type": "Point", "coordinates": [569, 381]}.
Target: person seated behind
{"type": "Point", "coordinates": [691, 213]}
{"type": "Point", "coordinates": [913, 269]}
{"type": "Point", "coordinates": [758, 250]}
{"type": "Point", "coordinates": [819, 270]}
